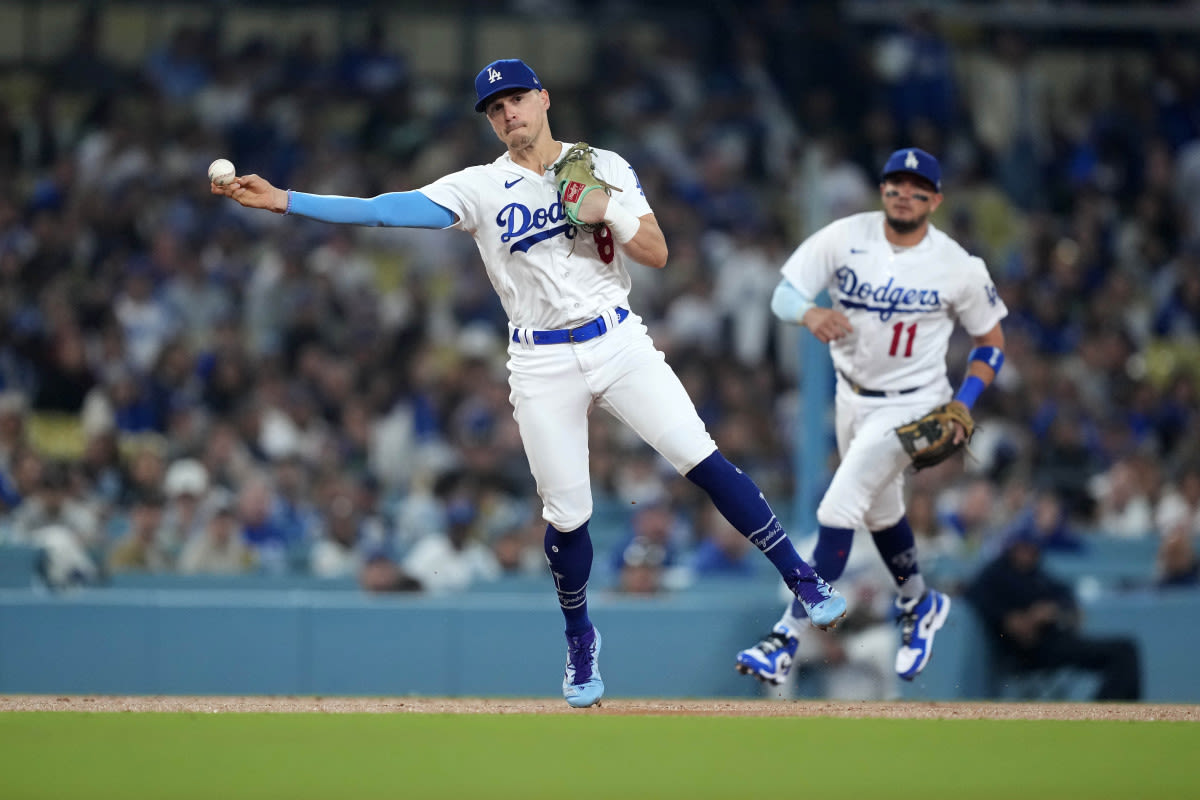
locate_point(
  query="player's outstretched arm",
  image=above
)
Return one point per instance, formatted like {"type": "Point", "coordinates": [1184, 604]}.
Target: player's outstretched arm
{"type": "Point", "coordinates": [253, 191]}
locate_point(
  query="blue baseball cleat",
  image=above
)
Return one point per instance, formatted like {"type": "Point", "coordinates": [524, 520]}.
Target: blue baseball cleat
{"type": "Point", "coordinates": [582, 686]}
{"type": "Point", "coordinates": [919, 620]}
{"type": "Point", "coordinates": [823, 603]}
{"type": "Point", "coordinates": [771, 659]}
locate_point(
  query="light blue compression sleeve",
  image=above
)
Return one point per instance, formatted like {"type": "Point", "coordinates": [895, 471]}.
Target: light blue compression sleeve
{"type": "Point", "coordinates": [788, 303]}
{"type": "Point", "coordinates": [391, 210]}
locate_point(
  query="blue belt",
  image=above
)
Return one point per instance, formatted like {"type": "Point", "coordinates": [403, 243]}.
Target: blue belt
{"type": "Point", "coordinates": [586, 331]}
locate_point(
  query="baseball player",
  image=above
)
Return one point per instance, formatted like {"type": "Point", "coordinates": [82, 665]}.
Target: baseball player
{"type": "Point", "coordinates": [573, 341]}
{"type": "Point", "coordinates": [897, 286]}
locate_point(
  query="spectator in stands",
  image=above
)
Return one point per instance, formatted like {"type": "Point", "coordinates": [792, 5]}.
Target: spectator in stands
{"type": "Point", "coordinates": [14, 426]}
{"type": "Point", "coordinates": [1179, 508]}
{"type": "Point", "coordinates": [455, 557]}
{"type": "Point", "coordinates": [343, 548]}
{"type": "Point", "coordinates": [56, 501]}
{"type": "Point", "coordinates": [55, 519]}
{"type": "Point", "coordinates": [182, 66]}
{"type": "Point", "coordinates": [967, 514]}
{"type": "Point", "coordinates": [186, 488]}
{"type": "Point", "coordinates": [722, 551]}
{"type": "Point", "coordinates": [265, 536]}
{"type": "Point", "coordinates": [656, 534]}
{"type": "Point", "coordinates": [138, 548]}
{"type": "Point", "coordinates": [1178, 565]}
{"type": "Point", "coordinates": [292, 509]}
{"type": "Point", "coordinates": [1122, 509]}
{"type": "Point", "coordinates": [518, 548]}
{"type": "Point", "coordinates": [642, 569]}
{"type": "Point", "coordinates": [64, 375]}
{"type": "Point", "coordinates": [382, 574]}
{"type": "Point", "coordinates": [1033, 621]}
{"type": "Point", "coordinates": [219, 549]}
{"type": "Point", "coordinates": [145, 462]}
{"type": "Point", "coordinates": [1045, 521]}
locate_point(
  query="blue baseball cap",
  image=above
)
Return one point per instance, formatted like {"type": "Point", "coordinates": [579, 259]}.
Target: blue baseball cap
{"type": "Point", "coordinates": [498, 76]}
{"type": "Point", "coordinates": [915, 161]}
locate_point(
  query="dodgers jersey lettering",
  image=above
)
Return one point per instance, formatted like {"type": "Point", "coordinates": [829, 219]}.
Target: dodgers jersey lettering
{"type": "Point", "coordinates": [902, 305]}
{"type": "Point", "coordinates": [547, 274]}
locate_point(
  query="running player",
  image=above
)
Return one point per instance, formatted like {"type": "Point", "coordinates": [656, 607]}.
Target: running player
{"type": "Point", "coordinates": [897, 286]}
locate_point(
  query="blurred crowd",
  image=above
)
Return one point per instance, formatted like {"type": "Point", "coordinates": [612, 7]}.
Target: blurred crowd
{"type": "Point", "coordinates": [192, 387]}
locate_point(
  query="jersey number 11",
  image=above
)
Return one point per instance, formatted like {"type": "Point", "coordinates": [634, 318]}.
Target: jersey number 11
{"type": "Point", "coordinates": [897, 331]}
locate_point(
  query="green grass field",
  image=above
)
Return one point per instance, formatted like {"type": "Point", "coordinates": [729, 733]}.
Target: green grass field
{"type": "Point", "coordinates": [178, 756]}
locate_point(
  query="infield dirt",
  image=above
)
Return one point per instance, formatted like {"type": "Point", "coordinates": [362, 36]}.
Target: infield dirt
{"type": "Point", "coordinates": [631, 707]}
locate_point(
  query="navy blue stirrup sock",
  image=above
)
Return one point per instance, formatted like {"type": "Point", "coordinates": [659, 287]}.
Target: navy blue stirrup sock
{"type": "Point", "coordinates": [899, 550]}
{"type": "Point", "coordinates": [740, 501]}
{"type": "Point", "coordinates": [570, 558]}
{"type": "Point", "coordinates": [829, 558]}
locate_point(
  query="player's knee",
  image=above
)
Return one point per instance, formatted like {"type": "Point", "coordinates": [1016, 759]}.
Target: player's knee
{"type": "Point", "coordinates": [567, 509]}
{"type": "Point", "coordinates": [877, 521]}
{"type": "Point", "coordinates": [567, 515]}
{"type": "Point", "coordinates": [835, 515]}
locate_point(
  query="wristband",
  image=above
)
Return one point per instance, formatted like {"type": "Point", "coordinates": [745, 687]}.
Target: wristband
{"type": "Point", "coordinates": [288, 209]}
{"type": "Point", "coordinates": [621, 222]}
{"type": "Point", "coordinates": [970, 390]}
{"type": "Point", "coordinates": [992, 356]}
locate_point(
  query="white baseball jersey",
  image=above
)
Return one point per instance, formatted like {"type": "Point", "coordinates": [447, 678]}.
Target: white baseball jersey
{"type": "Point", "coordinates": [550, 277]}
{"type": "Point", "coordinates": [902, 305]}
{"type": "Point", "coordinates": [546, 275]}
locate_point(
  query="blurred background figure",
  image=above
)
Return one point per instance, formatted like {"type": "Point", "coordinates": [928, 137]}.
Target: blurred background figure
{"type": "Point", "coordinates": [1178, 566]}
{"type": "Point", "coordinates": [1033, 621]}
{"type": "Point", "coordinates": [454, 556]}
{"type": "Point", "coordinates": [138, 548]}
{"type": "Point", "coordinates": [721, 551]}
{"type": "Point", "coordinates": [218, 548]}
{"type": "Point", "coordinates": [186, 488]}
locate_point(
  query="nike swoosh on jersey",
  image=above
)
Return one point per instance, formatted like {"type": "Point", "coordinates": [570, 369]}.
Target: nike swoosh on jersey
{"type": "Point", "coordinates": [854, 250]}
{"type": "Point", "coordinates": [510, 184]}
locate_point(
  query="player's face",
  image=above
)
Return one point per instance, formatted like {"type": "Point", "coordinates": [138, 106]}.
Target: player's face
{"type": "Point", "coordinates": [908, 200]}
{"type": "Point", "coordinates": [518, 117]}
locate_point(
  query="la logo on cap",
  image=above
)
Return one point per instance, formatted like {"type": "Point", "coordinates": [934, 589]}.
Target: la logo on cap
{"type": "Point", "coordinates": [494, 75]}
{"type": "Point", "coordinates": [911, 162]}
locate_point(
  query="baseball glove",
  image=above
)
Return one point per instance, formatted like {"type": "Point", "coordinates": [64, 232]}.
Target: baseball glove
{"type": "Point", "coordinates": [929, 440]}
{"type": "Point", "coordinates": [576, 177]}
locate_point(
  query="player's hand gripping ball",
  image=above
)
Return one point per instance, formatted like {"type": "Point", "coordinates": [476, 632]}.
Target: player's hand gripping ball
{"type": "Point", "coordinates": [575, 176]}
{"type": "Point", "coordinates": [221, 172]}
{"type": "Point", "coordinates": [930, 439]}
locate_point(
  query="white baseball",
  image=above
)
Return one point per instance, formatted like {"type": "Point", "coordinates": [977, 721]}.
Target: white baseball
{"type": "Point", "coordinates": [221, 171]}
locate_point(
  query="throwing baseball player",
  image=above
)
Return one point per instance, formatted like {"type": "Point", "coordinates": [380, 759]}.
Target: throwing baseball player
{"type": "Point", "coordinates": [557, 226]}
{"type": "Point", "coordinates": [897, 285]}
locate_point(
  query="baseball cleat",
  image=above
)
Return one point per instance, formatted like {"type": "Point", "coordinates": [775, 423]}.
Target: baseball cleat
{"type": "Point", "coordinates": [771, 659]}
{"type": "Point", "coordinates": [919, 619]}
{"type": "Point", "coordinates": [824, 604]}
{"type": "Point", "coordinates": [582, 686]}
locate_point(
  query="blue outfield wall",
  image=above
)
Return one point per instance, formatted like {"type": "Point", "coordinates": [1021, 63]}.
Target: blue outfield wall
{"type": "Point", "coordinates": [345, 643]}
{"type": "Point", "coordinates": [298, 642]}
